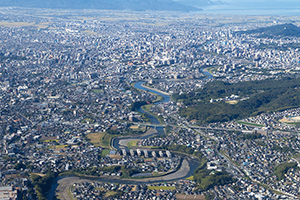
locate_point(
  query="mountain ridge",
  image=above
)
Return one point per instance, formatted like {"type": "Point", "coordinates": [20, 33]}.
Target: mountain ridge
{"type": "Point", "coordinates": [199, 3]}
{"type": "Point", "coordinates": [135, 5]}
{"type": "Point", "coordinates": [280, 30]}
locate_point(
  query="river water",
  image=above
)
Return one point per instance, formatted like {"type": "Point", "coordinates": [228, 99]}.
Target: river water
{"type": "Point", "coordinates": [193, 163]}
{"type": "Point", "coordinates": [139, 85]}
{"type": "Point", "coordinates": [153, 120]}
{"type": "Point", "coordinates": [209, 76]}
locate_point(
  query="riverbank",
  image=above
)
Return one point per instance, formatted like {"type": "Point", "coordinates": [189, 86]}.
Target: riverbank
{"type": "Point", "coordinates": [147, 109]}
{"type": "Point", "coordinates": [119, 142]}
{"type": "Point", "coordinates": [62, 185]}
{"type": "Point", "coordinates": [186, 168]}
{"type": "Point", "coordinates": [156, 90]}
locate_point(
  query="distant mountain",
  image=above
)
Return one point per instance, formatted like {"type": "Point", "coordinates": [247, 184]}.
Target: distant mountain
{"type": "Point", "coordinates": [199, 3]}
{"type": "Point", "coordinates": [275, 31]}
{"type": "Point", "coordinates": [136, 5]}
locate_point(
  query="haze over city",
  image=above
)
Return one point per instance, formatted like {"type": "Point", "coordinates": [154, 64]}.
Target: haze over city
{"type": "Point", "coordinates": [149, 99]}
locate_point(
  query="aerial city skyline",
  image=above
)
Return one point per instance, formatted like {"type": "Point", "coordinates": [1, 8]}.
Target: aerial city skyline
{"type": "Point", "coordinates": [149, 100]}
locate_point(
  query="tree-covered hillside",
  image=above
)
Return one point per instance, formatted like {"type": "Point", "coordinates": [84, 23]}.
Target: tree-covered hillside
{"type": "Point", "coordinates": [210, 104]}
{"type": "Point", "coordinates": [281, 30]}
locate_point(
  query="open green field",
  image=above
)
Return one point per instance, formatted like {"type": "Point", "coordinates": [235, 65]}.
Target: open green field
{"type": "Point", "coordinates": [132, 84]}
{"type": "Point", "coordinates": [100, 139]}
{"type": "Point", "coordinates": [249, 124]}
{"type": "Point", "coordinates": [71, 195]}
{"type": "Point", "coordinates": [47, 141]}
{"type": "Point", "coordinates": [58, 147]}
{"type": "Point", "coordinates": [87, 120]}
{"type": "Point", "coordinates": [132, 144]}
{"type": "Point", "coordinates": [15, 24]}
{"type": "Point", "coordinates": [105, 152]}
{"type": "Point", "coordinates": [134, 127]}
{"type": "Point", "coordinates": [158, 97]}
{"type": "Point", "coordinates": [151, 147]}
{"type": "Point", "coordinates": [23, 24]}
{"type": "Point", "coordinates": [161, 188]}
{"type": "Point", "coordinates": [147, 108]}
{"type": "Point", "coordinates": [110, 193]}
{"type": "Point", "coordinates": [190, 178]}
{"type": "Point", "coordinates": [97, 91]}
{"type": "Point", "coordinates": [294, 123]}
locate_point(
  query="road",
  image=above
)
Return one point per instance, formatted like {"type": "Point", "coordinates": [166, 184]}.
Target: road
{"type": "Point", "coordinates": [232, 166]}
{"type": "Point", "coordinates": [190, 127]}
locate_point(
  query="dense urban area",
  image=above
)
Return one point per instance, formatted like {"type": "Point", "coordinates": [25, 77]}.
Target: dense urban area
{"type": "Point", "coordinates": [148, 105]}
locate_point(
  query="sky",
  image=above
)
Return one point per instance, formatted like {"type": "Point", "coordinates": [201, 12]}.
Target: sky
{"type": "Point", "coordinates": [270, 1]}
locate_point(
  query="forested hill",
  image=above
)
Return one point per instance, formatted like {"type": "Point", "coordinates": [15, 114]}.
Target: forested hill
{"type": "Point", "coordinates": [136, 5]}
{"type": "Point", "coordinates": [281, 30]}
{"type": "Point", "coordinates": [244, 99]}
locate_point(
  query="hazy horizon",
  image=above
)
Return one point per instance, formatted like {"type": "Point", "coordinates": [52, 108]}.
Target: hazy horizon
{"type": "Point", "coordinates": [256, 7]}
{"type": "Point", "coordinates": [248, 7]}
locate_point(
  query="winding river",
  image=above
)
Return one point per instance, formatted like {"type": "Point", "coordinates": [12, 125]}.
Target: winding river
{"type": "Point", "coordinates": [153, 120]}
{"type": "Point", "coordinates": [189, 164]}
{"type": "Point", "coordinates": [187, 169]}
